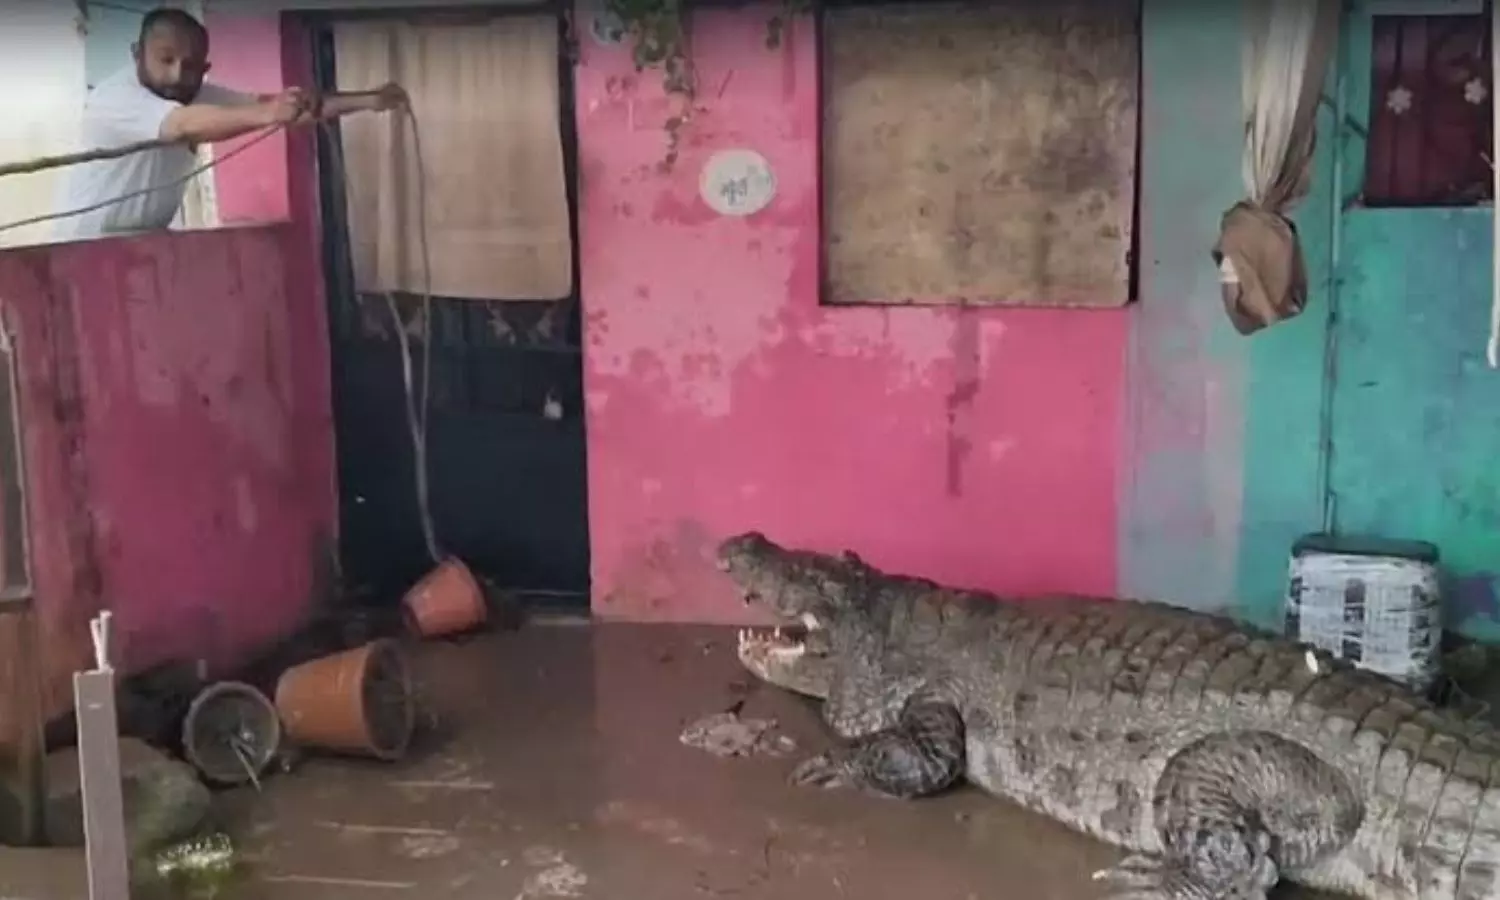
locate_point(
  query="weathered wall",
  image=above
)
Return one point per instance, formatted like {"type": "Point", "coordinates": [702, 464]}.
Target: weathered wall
{"type": "Point", "coordinates": [975, 446]}
{"type": "Point", "coordinates": [1181, 463]}
{"type": "Point", "coordinates": [178, 432]}
{"type": "Point", "coordinates": [251, 187]}
{"type": "Point", "coordinates": [178, 435]}
{"type": "Point", "coordinates": [1149, 451]}
{"type": "Point", "coordinates": [1412, 423]}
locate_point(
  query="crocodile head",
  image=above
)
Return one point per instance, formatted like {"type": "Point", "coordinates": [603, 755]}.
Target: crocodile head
{"type": "Point", "coordinates": [808, 592]}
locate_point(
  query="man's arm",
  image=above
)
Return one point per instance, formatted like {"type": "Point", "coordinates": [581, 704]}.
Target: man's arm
{"type": "Point", "coordinates": [335, 105]}
{"type": "Point", "coordinates": [205, 123]}
{"type": "Point", "coordinates": [220, 114]}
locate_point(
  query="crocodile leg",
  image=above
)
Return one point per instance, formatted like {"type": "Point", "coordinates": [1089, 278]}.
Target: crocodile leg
{"type": "Point", "coordinates": [1234, 811]}
{"type": "Point", "coordinates": [922, 754]}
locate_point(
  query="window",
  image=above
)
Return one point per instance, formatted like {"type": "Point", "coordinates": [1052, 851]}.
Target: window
{"type": "Point", "coordinates": [1430, 141]}
{"type": "Point", "coordinates": [980, 153]}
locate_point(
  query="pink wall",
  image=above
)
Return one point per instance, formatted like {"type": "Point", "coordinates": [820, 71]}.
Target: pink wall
{"type": "Point", "coordinates": [180, 440]}
{"type": "Point", "coordinates": [252, 187]}
{"type": "Point", "coordinates": [975, 446]}
{"type": "Point", "coordinates": [179, 432]}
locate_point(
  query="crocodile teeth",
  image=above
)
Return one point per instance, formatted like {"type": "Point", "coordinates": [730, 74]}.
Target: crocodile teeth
{"type": "Point", "coordinates": [775, 642]}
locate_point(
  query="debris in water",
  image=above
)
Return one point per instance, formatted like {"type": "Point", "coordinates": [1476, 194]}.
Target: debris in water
{"type": "Point", "coordinates": [202, 868]}
{"type": "Point", "coordinates": [725, 734]}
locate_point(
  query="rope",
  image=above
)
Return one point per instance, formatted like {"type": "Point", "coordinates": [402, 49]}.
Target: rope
{"type": "Point", "coordinates": [73, 159]}
{"type": "Point", "coordinates": [416, 414]}
{"type": "Point", "coordinates": [138, 147]}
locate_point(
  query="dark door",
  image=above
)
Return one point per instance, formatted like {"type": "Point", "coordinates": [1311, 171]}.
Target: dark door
{"type": "Point", "coordinates": [505, 431]}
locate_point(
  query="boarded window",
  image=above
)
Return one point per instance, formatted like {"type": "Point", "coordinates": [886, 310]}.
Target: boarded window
{"type": "Point", "coordinates": [1430, 112]}
{"type": "Point", "coordinates": [980, 152]}
{"type": "Point", "coordinates": [487, 96]}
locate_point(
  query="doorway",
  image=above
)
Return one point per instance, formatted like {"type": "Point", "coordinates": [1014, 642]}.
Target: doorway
{"type": "Point", "coordinates": [505, 428]}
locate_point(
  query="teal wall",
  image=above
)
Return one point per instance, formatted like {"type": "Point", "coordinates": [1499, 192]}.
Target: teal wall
{"type": "Point", "coordinates": [1285, 400]}
{"type": "Point", "coordinates": [1415, 421]}
{"type": "Point", "coordinates": [1224, 458]}
{"type": "Point", "coordinates": [1399, 376]}
{"type": "Point", "coordinates": [1179, 494]}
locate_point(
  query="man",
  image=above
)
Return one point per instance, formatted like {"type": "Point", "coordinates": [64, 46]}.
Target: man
{"type": "Point", "coordinates": [164, 96]}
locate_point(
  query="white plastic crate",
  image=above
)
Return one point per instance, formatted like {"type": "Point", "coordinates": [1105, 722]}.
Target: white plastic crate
{"type": "Point", "coordinates": [1376, 604]}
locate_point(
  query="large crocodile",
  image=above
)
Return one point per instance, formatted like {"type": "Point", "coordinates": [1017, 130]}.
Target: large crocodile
{"type": "Point", "coordinates": [1224, 759]}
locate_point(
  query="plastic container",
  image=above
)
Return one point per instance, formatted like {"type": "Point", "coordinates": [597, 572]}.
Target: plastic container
{"type": "Point", "coordinates": [1374, 602]}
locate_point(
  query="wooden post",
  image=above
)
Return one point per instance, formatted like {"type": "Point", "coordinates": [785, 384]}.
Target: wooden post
{"type": "Point", "coordinates": [18, 607]}
{"type": "Point", "coordinates": [99, 773]}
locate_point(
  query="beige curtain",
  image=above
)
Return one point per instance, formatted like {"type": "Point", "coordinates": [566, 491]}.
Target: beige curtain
{"type": "Point", "coordinates": [1285, 56]}
{"type": "Point", "coordinates": [485, 93]}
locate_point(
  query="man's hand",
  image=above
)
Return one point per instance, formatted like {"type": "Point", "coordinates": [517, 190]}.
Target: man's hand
{"type": "Point", "coordinates": [391, 96]}
{"type": "Point", "coordinates": [291, 105]}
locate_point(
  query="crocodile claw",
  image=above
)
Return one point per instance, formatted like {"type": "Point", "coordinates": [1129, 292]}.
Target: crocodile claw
{"type": "Point", "coordinates": [1142, 877]}
{"type": "Point", "coordinates": [826, 770]}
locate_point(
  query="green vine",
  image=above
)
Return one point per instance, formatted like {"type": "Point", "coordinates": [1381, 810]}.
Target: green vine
{"type": "Point", "coordinates": [658, 34]}
{"type": "Point", "coordinates": [658, 31]}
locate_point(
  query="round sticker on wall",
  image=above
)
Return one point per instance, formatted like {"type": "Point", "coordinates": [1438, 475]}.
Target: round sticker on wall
{"type": "Point", "coordinates": [737, 183]}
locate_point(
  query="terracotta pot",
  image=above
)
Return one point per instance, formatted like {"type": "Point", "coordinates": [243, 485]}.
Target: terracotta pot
{"type": "Point", "coordinates": [448, 600]}
{"type": "Point", "coordinates": [358, 702]}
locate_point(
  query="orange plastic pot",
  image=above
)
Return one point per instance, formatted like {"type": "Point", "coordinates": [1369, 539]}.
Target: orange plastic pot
{"type": "Point", "coordinates": [448, 600]}
{"type": "Point", "coordinates": [357, 702]}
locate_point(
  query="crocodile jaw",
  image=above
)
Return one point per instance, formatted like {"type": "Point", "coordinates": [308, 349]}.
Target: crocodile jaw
{"type": "Point", "coordinates": [776, 643]}
{"type": "Point", "coordinates": [786, 661]}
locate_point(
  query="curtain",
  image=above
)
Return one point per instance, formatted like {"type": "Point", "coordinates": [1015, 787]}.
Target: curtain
{"type": "Point", "coordinates": [1285, 56]}
{"type": "Point", "coordinates": [486, 97]}
{"type": "Point", "coordinates": [200, 202]}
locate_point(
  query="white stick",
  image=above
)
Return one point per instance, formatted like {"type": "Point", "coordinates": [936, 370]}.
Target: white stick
{"type": "Point", "coordinates": [99, 780]}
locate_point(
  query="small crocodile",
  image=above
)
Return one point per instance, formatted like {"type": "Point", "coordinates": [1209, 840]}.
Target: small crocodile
{"type": "Point", "coordinates": [1222, 758]}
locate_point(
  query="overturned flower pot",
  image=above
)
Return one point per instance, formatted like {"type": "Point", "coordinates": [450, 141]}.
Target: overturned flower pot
{"type": "Point", "coordinates": [231, 733]}
{"type": "Point", "coordinates": [447, 601]}
{"type": "Point", "coordinates": [357, 702]}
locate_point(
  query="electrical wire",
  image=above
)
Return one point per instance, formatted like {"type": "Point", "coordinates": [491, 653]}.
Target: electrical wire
{"type": "Point", "coordinates": [416, 408]}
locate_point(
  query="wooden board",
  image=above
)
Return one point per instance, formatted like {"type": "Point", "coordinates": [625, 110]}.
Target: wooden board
{"type": "Point", "coordinates": [106, 853]}
{"type": "Point", "coordinates": [981, 152]}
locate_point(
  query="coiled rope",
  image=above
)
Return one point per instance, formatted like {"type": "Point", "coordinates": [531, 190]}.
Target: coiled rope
{"type": "Point", "coordinates": [416, 408]}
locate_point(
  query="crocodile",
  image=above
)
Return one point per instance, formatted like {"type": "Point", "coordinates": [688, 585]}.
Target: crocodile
{"type": "Point", "coordinates": [1220, 758]}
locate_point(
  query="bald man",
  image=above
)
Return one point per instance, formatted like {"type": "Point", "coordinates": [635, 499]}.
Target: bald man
{"type": "Point", "coordinates": [164, 95]}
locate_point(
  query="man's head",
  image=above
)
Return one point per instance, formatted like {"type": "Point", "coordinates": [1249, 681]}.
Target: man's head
{"type": "Point", "coordinates": [171, 57]}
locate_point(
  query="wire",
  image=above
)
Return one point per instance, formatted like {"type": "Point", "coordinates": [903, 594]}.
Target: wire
{"type": "Point", "coordinates": [73, 159]}
{"type": "Point", "coordinates": [147, 145]}
{"type": "Point", "coordinates": [416, 411]}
